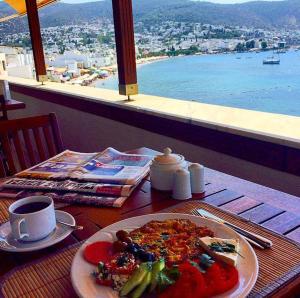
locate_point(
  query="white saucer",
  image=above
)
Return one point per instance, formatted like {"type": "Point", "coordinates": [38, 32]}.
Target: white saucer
{"type": "Point", "coordinates": [59, 234]}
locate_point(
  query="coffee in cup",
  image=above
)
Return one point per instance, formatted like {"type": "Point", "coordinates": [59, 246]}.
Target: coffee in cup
{"type": "Point", "coordinates": [32, 218]}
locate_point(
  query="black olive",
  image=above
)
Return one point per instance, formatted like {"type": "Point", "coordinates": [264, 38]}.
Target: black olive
{"type": "Point", "coordinates": [133, 248]}
{"type": "Point", "coordinates": [147, 257]}
{"type": "Point", "coordinates": [140, 253]}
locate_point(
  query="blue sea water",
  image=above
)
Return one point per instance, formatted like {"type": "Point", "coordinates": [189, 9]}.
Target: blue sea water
{"type": "Point", "coordinates": [225, 80]}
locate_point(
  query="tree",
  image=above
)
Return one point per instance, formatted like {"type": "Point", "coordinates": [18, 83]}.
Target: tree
{"type": "Point", "coordinates": [240, 47]}
{"type": "Point", "coordinates": [62, 49]}
{"type": "Point", "coordinates": [106, 39]}
{"type": "Point", "coordinates": [264, 45]}
{"type": "Point", "coordinates": [194, 48]}
{"type": "Point", "coordinates": [250, 44]}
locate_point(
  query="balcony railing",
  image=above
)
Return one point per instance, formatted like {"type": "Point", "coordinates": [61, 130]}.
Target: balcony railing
{"type": "Point", "coordinates": [232, 140]}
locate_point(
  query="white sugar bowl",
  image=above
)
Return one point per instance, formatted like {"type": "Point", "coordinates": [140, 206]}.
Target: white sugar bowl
{"type": "Point", "coordinates": [163, 168]}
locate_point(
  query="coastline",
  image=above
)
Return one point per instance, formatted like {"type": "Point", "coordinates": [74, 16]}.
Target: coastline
{"type": "Point", "coordinates": [236, 80]}
{"type": "Point", "coordinates": [148, 60]}
{"type": "Point", "coordinates": [113, 69]}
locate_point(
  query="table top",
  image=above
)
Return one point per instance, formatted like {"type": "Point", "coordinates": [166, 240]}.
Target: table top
{"type": "Point", "coordinates": [13, 105]}
{"type": "Point", "coordinates": [272, 209]}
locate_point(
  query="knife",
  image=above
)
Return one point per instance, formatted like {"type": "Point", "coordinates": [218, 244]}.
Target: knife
{"type": "Point", "coordinates": [262, 241]}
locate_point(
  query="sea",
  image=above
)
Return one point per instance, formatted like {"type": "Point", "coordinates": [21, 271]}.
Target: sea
{"type": "Point", "coordinates": [237, 80]}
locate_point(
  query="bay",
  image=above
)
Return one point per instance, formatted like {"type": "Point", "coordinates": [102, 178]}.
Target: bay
{"type": "Point", "coordinates": [233, 80]}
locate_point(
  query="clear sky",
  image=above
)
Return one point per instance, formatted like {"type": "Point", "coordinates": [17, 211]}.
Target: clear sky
{"type": "Point", "coordinates": [215, 1]}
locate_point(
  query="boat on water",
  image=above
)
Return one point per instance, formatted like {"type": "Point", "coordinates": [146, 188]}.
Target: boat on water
{"type": "Point", "coordinates": [281, 51]}
{"type": "Point", "coordinates": [271, 60]}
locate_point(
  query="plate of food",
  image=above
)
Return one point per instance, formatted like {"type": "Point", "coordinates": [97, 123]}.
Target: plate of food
{"type": "Point", "coordinates": [165, 255]}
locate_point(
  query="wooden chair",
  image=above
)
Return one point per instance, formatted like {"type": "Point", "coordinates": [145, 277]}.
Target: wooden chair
{"type": "Point", "coordinates": [3, 108]}
{"type": "Point", "coordinates": [28, 141]}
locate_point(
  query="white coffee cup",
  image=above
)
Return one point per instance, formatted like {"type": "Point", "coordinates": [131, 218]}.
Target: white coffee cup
{"type": "Point", "coordinates": [31, 221]}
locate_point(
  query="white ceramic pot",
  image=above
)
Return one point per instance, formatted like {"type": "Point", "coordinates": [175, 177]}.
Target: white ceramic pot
{"type": "Point", "coordinates": [163, 168]}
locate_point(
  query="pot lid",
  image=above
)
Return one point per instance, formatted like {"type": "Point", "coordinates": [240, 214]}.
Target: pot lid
{"type": "Point", "coordinates": [168, 157]}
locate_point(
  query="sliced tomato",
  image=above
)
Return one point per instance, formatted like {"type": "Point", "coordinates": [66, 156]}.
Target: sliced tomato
{"type": "Point", "coordinates": [230, 277]}
{"type": "Point", "coordinates": [220, 278]}
{"type": "Point", "coordinates": [213, 279]}
{"type": "Point", "coordinates": [190, 284]}
{"type": "Point", "coordinates": [96, 252]}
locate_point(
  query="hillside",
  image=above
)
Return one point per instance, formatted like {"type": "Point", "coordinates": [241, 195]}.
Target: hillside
{"type": "Point", "coordinates": [258, 14]}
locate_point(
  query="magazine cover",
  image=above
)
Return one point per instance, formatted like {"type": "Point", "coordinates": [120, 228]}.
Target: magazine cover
{"type": "Point", "coordinates": [57, 167]}
{"type": "Point", "coordinates": [109, 166]}
{"type": "Point", "coordinates": [114, 167]}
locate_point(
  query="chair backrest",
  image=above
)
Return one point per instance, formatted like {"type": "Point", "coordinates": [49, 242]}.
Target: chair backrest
{"type": "Point", "coordinates": [3, 108]}
{"type": "Point", "coordinates": [28, 141]}
{"type": "Point", "coordinates": [4, 95]}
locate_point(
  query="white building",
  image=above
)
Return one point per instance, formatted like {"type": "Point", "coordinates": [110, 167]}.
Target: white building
{"type": "Point", "coordinates": [82, 60]}
{"type": "Point", "coordinates": [19, 62]}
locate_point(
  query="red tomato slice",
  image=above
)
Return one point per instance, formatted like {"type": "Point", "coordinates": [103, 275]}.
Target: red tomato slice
{"type": "Point", "coordinates": [190, 284]}
{"type": "Point", "coordinates": [220, 278]}
{"type": "Point", "coordinates": [230, 277]}
{"type": "Point", "coordinates": [96, 252]}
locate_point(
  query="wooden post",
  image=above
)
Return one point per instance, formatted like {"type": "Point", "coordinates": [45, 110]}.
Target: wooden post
{"type": "Point", "coordinates": [124, 34]}
{"type": "Point", "coordinates": [36, 40]}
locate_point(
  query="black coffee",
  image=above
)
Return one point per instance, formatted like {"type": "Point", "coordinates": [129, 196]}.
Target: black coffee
{"type": "Point", "coordinates": [31, 207]}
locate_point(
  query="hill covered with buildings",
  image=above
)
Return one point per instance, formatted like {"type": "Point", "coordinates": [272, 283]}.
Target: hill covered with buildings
{"type": "Point", "coordinates": [258, 14]}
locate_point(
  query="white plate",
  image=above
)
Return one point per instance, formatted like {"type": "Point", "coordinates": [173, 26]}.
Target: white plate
{"type": "Point", "coordinates": [59, 234]}
{"type": "Point", "coordinates": [85, 286]}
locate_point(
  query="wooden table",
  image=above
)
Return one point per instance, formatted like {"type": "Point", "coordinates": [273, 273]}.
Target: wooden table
{"type": "Point", "coordinates": [14, 105]}
{"type": "Point", "coordinates": [272, 209]}
{"type": "Point", "coordinates": [10, 105]}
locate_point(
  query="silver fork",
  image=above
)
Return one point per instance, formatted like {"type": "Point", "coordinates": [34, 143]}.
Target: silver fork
{"type": "Point", "coordinates": [252, 242]}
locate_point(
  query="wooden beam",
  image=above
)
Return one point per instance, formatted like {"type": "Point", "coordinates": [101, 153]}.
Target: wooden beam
{"type": "Point", "coordinates": [124, 34]}
{"type": "Point", "coordinates": [36, 40]}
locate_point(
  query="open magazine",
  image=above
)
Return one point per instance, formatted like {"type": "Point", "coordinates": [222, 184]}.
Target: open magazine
{"type": "Point", "coordinates": [109, 167]}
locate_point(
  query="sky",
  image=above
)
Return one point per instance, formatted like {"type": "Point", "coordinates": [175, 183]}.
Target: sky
{"type": "Point", "coordinates": [215, 1]}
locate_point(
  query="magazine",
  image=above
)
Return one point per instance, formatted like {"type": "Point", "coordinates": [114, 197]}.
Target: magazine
{"type": "Point", "coordinates": [63, 199]}
{"type": "Point", "coordinates": [69, 186]}
{"type": "Point", "coordinates": [109, 167]}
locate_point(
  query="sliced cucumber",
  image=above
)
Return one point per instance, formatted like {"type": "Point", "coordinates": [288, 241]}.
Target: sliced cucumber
{"type": "Point", "coordinates": [138, 292]}
{"type": "Point", "coordinates": [135, 279]}
{"type": "Point", "coordinates": [158, 266]}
